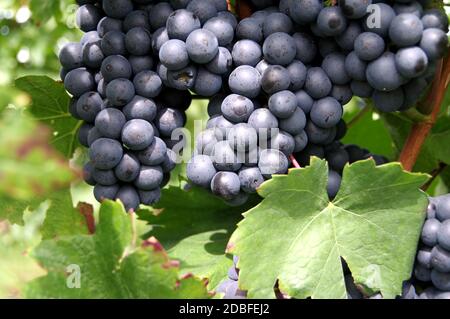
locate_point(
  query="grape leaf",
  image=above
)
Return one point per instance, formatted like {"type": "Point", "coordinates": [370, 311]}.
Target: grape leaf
{"type": "Point", "coordinates": [29, 168]}
{"type": "Point", "coordinates": [110, 264]}
{"type": "Point", "coordinates": [297, 236]}
{"type": "Point", "coordinates": [50, 106]}
{"type": "Point", "coordinates": [62, 219]}
{"type": "Point", "coordinates": [195, 226]}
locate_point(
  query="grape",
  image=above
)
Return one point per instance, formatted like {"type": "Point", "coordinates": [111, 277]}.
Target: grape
{"type": "Point", "coordinates": [317, 83]}
{"type": "Point", "coordinates": [347, 39]}
{"type": "Point", "coordinates": [382, 73]}
{"type": "Point", "coordinates": [117, 8]}
{"type": "Point", "coordinates": [249, 28]}
{"type": "Point", "coordinates": [207, 83]}
{"type": "Point", "coordinates": [154, 154]}
{"type": "Point", "coordinates": [147, 84]}
{"type": "Point", "coordinates": [170, 161]}
{"type": "Point", "coordinates": [337, 159]}
{"type": "Point", "coordinates": [301, 141]}
{"type": "Point", "coordinates": [246, 52]}
{"type": "Point", "coordinates": [174, 55]}
{"type": "Point", "coordinates": [331, 21]}
{"type": "Point", "coordinates": [279, 48]}
{"type": "Point", "coordinates": [222, 62]}
{"type": "Point", "coordinates": [305, 102]}
{"type": "Point", "coordinates": [297, 74]}
{"type": "Point", "coordinates": [109, 122]}
{"type": "Point", "coordinates": [114, 67]}
{"type": "Point", "coordinates": [226, 185]}
{"type": "Point", "coordinates": [435, 18]}
{"type": "Point", "coordinates": [107, 24]}
{"type": "Point", "coordinates": [406, 29]}
{"type": "Point", "coordinates": [88, 170]}
{"type": "Point", "coordinates": [183, 79]}
{"type": "Point", "coordinates": [443, 208]}
{"type": "Point", "coordinates": [237, 108]}
{"type": "Point", "coordinates": [334, 184]}
{"type": "Point", "coordinates": [113, 43]}
{"type": "Point", "coordinates": [140, 108]}
{"type": "Point", "coordinates": [128, 168]}
{"type": "Point", "coordinates": [272, 162]}
{"type": "Point", "coordinates": [224, 158]}
{"type": "Point", "coordinates": [354, 9]}
{"type": "Point", "coordinates": [102, 192]}
{"type": "Point", "coordinates": [93, 55]}
{"type": "Point", "coordinates": [411, 62]}
{"type": "Point", "coordinates": [79, 81]}
{"type": "Point", "coordinates": [150, 197]}
{"type": "Point", "coordinates": [89, 105]}
{"type": "Point", "coordinates": [83, 133]}
{"type": "Point", "coordinates": [222, 126]}
{"type": "Point", "coordinates": [105, 153]}
{"type": "Point", "coordinates": [361, 88]}
{"type": "Point", "coordinates": [229, 17]}
{"type": "Point", "coordinates": [87, 17]}
{"type": "Point", "coordinates": [422, 273]}
{"type": "Point", "coordinates": [342, 93]}
{"type": "Point", "coordinates": [319, 135]}
{"type": "Point", "coordinates": [205, 140]}
{"type": "Point", "coordinates": [283, 142]}
{"type": "Point", "coordinates": [138, 41]}
{"type": "Point", "coordinates": [263, 119]}
{"type": "Point", "coordinates": [276, 78]}
{"type": "Point", "coordinates": [355, 67]}
{"type": "Point", "coordinates": [434, 43]}
{"type": "Point", "coordinates": [120, 92]}
{"type": "Point", "coordinates": [334, 67]}
{"type": "Point", "coordinates": [137, 134]}
{"type": "Point", "coordinates": [135, 19]}
{"type": "Point", "coordinates": [104, 177]}
{"type": "Point", "coordinates": [129, 197]}
{"type": "Point", "coordinates": [413, 7]}
{"type": "Point", "coordinates": [204, 10]}
{"type": "Point", "coordinates": [424, 257]}
{"type": "Point", "coordinates": [181, 23]}
{"type": "Point", "coordinates": [326, 112]}
{"type": "Point", "coordinates": [369, 46]}
{"type": "Point", "coordinates": [202, 46]}
{"type": "Point", "coordinates": [159, 37]}
{"type": "Point", "coordinates": [168, 120]}
{"type": "Point", "coordinates": [245, 80]}
{"type": "Point", "coordinates": [440, 259]}
{"type": "Point", "coordinates": [242, 137]}
{"type": "Point", "coordinates": [283, 104]}
{"type": "Point", "coordinates": [159, 14]}
{"type": "Point", "coordinates": [388, 101]}
{"type": "Point", "coordinates": [71, 56]}
{"type": "Point", "coordinates": [304, 11]}
{"type": "Point", "coordinates": [379, 23]}
{"type": "Point", "coordinates": [277, 22]}
{"type": "Point", "coordinates": [440, 280]}
{"type": "Point", "coordinates": [200, 170]}
{"type": "Point", "coordinates": [222, 29]}
{"type": "Point", "coordinates": [306, 48]}
{"type": "Point", "coordinates": [149, 178]}
{"type": "Point", "coordinates": [430, 231]}
{"type": "Point", "coordinates": [250, 179]}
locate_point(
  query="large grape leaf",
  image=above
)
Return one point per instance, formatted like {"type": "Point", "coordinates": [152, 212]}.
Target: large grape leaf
{"type": "Point", "coordinates": [30, 168]}
{"type": "Point", "coordinates": [195, 226]}
{"type": "Point", "coordinates": [297, 237]}
{"type": "Point", "coordinates": [50, 106]}
{"type": "Point", "coordinates": [110, 264]}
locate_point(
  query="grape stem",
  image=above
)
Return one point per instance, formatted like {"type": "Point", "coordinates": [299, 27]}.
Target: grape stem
{"type": "Point", "coordinates": [420, 131]}
{"type": "Point", "coordinates": [434, 174]}
{"type": "Point", "coordinates": [294, 161]}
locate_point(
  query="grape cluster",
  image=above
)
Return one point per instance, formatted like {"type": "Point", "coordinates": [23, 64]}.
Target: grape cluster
{"type": "Point", "coordinates": [433, 256]}
{"type": "Point", "coordinates": [128, 112]}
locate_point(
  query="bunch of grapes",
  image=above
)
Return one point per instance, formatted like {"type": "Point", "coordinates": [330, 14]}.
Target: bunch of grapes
{"type": "Point", "coordinates": [129, 113]}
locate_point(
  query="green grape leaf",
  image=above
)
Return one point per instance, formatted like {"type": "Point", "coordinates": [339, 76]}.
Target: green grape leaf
{"type": "Point", "coordinates": [30, 168]}
{"type": "Point", "coordinates": [195, 226]}
{"type": "Point", "coordinates": [110, 264]}
{"type": "Point", "coordinates": [296, 237]}
{"type": "Point", "coordinates": [50, 106]}
{"type": "Point", "coordinates": [62, 219]}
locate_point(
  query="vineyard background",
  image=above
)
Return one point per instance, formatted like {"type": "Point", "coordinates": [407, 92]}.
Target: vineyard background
{"type": "Point", "coordinates": [31, 34]}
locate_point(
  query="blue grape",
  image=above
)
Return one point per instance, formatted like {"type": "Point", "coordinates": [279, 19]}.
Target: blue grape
{"type": "Point", "coordinates": [342, 93]}
{"type": "Point", "coordinates": [113, 43]}
{"type": "Point", "coordinates": [246, 52]}
{"type": "Point", "coordinates": [104, 177]}
{"type": "Point", "coordinates": [382, 73]}
{"type": "Point", "coordinates": [202, 46]}
{"type": "Point", "coordinates": [388, 101]}
{"type": "Point", "coordinates": [334, 184]}
{"type": "Point", "coordinates": [120, 92]}
{"type": "Point", "coordinates": [379, 21]}
{"type": "Point", "coordinates": [224, 158]}
{"type": "Point", "coordinates": [297, 73]}
{"type": "Point", "coordinates": [406, 29]}
{"type": "Point", "coordinates": [354, 9]}
{"type": "Point", "coordinates": [135, 19]}
{"type": "Point", "coordinates": [183, 79]}
{"type": "Point", "coordinates": [129, 197]}
{"type": "Point", "coordinates": [149, 178]}
{"type": "Point", "coordinates": [250, 179]}
{"type": "Point", "coordinates": [150, 197]}
{"type": "Point", "coordinates": [117, 9]}
{"type": "Point", "coordinates": [128, 168]}
{"type": "Point", "coordinates": [140, 108]}
{"type": "Point", "coordinates": [167, 120]}
{"type": "Point", "coordinates": [355, 67]}
{"type": "Point", "coordinates": [222, 29]}
{"type": "Point", "coordinates": [369, 46]}
{"type": "Point", "coordinates": [89, 105]}
{"type": "Point", "coordinates": [301, 141]}
{"type": "Point", "coordinates": [283, 104]}
{"type": "Point", "coordinates": [109, 122]}
{"type": "Point", "coordinates": [361, 88]}
{"type": "Point", "coordinates": [138, 41]}
{"type": "Point", "coordinates": [284, 142]}
{"type": "Point", "coordinates": [434, 42]}
{"type": "Point", "coordinates": [429, 232]}
{"type": "Point", "coordinates": [137, 135]}
{"type": "Point", "coordinates": [272, 162]}
{"type": "Point", "coordinates": [317, 83]}
{"type": "Point", "coordinates": [334, 67]}
{"type": "Point", "coordinates": [153, 154]}
{"type": "Point", "coordinates": [159, 14]}
{"type": "Point", "coordinates": [71, 56]}
{"type": "Point", "coordinates": [226, 185]}
{"type": "Point", "coordinates": [277, 22]}
{"type": "Point", "coordinates": [114, 67]}
{"type": "Point", "coordinates": [304, 11]}
{"type": "Point", "coordinates": [147, 84]}
{"type": "Point", "coordinates": [200, 170]}
{"type": "Point", "coordinates": [331, 21]}
{"type": "Point", "coordinates": [174, 55]}
{"type": "Point", "coordinates": [443, 236]}
{"type": "Point", "coordinates": [102, 192]}
{"type": "Point", "coordinates": [181, 23]}
{"type": "Point", "coordinates": [108, 24]}
{"type": "Point", "coordinates": [204, 10]}
{"type": "Point", "coordinates": [237, 108]}
{"type": "Point", "coordinates": [79, 81]}
{"type": "Point", "coordinates": [306, 48]}
{"type": "Point", "coordinates": [105, 153]}
{"type": "Point", "coordinates": [250, 29]}
{"type": "Point", "coordinates": [222, 62]}
{"type": "Point", "coordinates": [279, 48]}
{"type": "Point", "coordinates": [245, 80]}
{"type": "Point", "coordinates": [276, 78]}
{"type": "Point", "coordinates": [347, 39]}
{"type": "Point", "coordinates": [207, 83]}
{"type": "Point", "coordinates": [326, 112]}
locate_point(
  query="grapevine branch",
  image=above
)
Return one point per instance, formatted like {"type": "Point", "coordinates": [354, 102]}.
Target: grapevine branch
{"type": "Point", "coordinates": [432, 105]}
